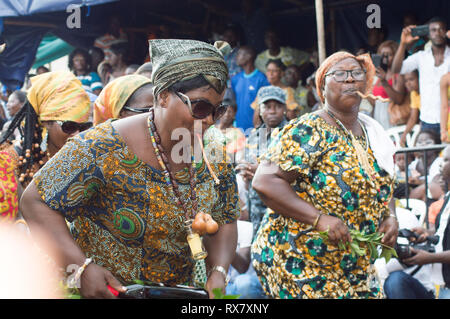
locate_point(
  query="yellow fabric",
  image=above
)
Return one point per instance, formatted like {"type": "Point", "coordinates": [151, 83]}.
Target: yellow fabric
{"type": "Point", "coordinates": [114, 96]}
{"type": "Point", "coordinates": [59, 96]}
{"type": "Point", "coordinates": [415, 100]}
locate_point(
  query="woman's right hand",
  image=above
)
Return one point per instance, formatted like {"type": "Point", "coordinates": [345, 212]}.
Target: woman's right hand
{"type": "Point", "coordinates": [337, 230]}
{"type": "Point", "coordinates": [95, 280]}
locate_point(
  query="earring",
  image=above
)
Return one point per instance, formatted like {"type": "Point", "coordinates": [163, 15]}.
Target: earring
{"type": "Point", "coordinates": [44, 141]}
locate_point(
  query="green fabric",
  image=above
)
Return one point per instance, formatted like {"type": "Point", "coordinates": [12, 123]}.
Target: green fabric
{"type": "Point", "coordinates": [50, 49]}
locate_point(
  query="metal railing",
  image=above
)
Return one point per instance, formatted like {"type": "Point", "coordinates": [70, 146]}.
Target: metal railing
{"type": "Point", "coordinates": [425, 149]}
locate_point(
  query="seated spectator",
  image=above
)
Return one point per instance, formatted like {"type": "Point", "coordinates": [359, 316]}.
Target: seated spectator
{"type": "Point", "coordinates": [292, 78]}
{"type": "Point", "coordinates": [275, 51]}
{"type": "Point", "coordinates": [113, 35]}
{"type": "Point", "coordinates": [97, 56]}
{"type": "Point", "coordinates": [245, 86]}
{"type": "Point", "coordinates": [115, 64]}
{"type": "Point", "coordinates": [145, 69]}
{"type": "Point", "coordinates": [425, 138]}
{"type": "Point", "coordinates": [234, 137]}
{"type": "Point", "coordinates": [274, 73]}
{"type": "Point", "coordinates": [80, 65]}
{"type": "Point", "coordinates": [15, 102]}
{"type": "Point", "coordinates": [437, 191]}
{"type": "Point", "coordinates": [412, 86]}
{"type": "Point", "coordinates": [388, 86]}
{"type": "Point", "coordinates": [231, 35]}
{"type": "Point", "coordinates": [402, 285]}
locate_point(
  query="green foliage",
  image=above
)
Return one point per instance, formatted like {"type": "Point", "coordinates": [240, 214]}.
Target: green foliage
{"type": "Point", "coordinates": [363, 244]}
{"type": "Point", "coordinates": [219, 295]}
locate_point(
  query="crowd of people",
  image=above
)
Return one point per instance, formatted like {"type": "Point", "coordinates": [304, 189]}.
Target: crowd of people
{"type": "Point", "coordinates": [117, 164]}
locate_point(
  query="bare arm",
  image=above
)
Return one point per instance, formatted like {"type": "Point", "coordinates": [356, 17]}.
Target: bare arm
{"type": "Point", "coordinates": [242, 260]}
{"type": "Point", "coordinates": [43, 220]}
{"type": "Point", "coordinates": [412, 120]}
{"type": "Point", "coordinates": [221, 249]}
{"type": "Point", "coordinates": [273, 186]}
{"type": "Point", "coordinates": [405, 40]}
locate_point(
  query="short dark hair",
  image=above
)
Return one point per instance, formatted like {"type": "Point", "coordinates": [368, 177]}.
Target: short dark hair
{"type": "Point", "coordinates": [278, 63]}
{"type": "Point", "coordinates": [185, 86]}
{"type": "Point", "coordinates": [251, 50]}
{"type": "Point", "coordinates": [120, 48]}
{"type": "Point", "coordinates": [437, 19]}
{"type": "Point", "coordinates": [85, 54]}
{"type": "Point", "coordinates": [137, 92]}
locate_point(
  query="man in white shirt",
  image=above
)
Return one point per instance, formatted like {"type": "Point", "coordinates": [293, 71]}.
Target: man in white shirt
{"type": "Point", "coordinates": [432, 63]}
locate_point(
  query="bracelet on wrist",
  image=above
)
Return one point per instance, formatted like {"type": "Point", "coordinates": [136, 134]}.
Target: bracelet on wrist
{"type": "Point", "coordinates": [317, 220]}
{"type": "Point", "coordinates": [72, 282]}
{"type": "Point", "coordinates": [222, 271]}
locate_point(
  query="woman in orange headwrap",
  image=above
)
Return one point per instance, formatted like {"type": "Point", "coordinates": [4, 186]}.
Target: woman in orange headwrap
{"type": "Point", "coordinates": [325, 172]}
{"type": "Point", "coordinates": [57, 107]}
{"type": "Point", "coordinates": [125, 96]}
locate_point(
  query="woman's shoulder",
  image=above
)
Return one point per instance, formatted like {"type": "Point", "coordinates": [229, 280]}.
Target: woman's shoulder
{"type": "Point", "coordinates": [100, 137]}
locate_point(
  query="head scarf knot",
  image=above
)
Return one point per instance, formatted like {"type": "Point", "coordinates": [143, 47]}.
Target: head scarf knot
{"type": "Point", "coordinates": [59, 96]}
{"type": "Point", "coordinates": [364, 60]}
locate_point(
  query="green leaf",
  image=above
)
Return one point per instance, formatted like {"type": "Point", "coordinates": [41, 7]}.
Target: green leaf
{"type": "Point", "coordinates": [218, 294]}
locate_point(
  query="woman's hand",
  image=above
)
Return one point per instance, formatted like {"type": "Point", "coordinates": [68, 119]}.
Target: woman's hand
{"type": "Point", "coordinates": [337, 230]}
{"type": "Point", "coordinates": [215, 280]}
{"type": "Point", "coordinates": [95, 280]}
{"type": "Point", "coordinates": [389, 227]}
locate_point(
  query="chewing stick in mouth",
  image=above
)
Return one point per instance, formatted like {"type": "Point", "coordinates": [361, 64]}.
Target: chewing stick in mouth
{"type": "Point", "coordinates": [365, 96]}
{"type": "Point", "coordinates": [206, 160]}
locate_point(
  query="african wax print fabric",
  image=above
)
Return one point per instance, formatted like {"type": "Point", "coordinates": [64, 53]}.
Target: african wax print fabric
{"type": "Point", "coordinates": [175, 60]}
{"type": "Point", "coordinates": [114, 96]}
{"type": "Point", "coordinates": [59, 96]}
{"type": "Point", "coordinates": [291, 259]}
{"type": "Point", "coordinates": [9, 200]}
{"type": "Point", "coordinates": [122, 212]}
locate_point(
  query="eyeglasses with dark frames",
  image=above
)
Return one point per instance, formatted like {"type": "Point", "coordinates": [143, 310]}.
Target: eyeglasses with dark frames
{"type": "Point", "coordinates": [342, 75]}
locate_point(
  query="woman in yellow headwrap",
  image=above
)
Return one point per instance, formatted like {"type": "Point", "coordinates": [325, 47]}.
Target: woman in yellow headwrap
{"type": "Point", "coordinates": [57, 108]}
{"type": "Point", "coordinates": [125, 96]}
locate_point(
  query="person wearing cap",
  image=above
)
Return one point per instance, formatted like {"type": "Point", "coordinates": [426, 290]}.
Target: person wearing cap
{"type": "Point", "coordinates": [272, 111]}
{"type": "Point", "coordinates": [328, 171]}
{"type": "Point", "coordinates": [129, 186]}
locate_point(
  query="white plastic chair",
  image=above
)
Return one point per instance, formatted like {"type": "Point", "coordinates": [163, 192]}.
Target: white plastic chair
{"type": "Point", "coordinates": [418, 207]}
{"type": "Point", "coordinates": [396, 132]}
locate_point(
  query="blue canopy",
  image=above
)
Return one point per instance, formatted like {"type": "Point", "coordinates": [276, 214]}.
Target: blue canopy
{"type": "Point", "coordinates": [15, 8]}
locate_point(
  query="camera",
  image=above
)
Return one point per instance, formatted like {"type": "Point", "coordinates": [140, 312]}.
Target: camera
{"type": "Point", "coordinates": [380, 61]}
{"type": "Point", "coordinates": [404, 250]}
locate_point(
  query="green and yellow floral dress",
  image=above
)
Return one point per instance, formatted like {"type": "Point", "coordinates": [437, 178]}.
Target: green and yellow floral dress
{"type": "Point", "coordinates": [122, 212]}
{"type": "Point", "coordinates": [290, 258]}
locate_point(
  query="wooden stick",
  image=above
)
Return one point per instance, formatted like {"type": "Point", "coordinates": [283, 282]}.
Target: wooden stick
{"type": "Point", "coordinates": [365, 96]}
{"type": "Point", "coordinates": [206, 160]}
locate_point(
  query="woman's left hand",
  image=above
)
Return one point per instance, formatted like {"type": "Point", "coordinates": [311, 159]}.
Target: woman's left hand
{"type": "Point", "coordinates": [389, 227]}
{"type": "Point", "coordinates": [215, 280]}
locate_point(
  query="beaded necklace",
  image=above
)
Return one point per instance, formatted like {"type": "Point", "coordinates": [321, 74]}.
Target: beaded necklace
{"type": "Point", "coordinates": [360, 152]}
{"type": "Point", "coordinates": [168, 175]}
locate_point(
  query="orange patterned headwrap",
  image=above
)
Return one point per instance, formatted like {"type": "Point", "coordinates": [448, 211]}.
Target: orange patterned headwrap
{"type": "Point", "coordinates": [364, 59]}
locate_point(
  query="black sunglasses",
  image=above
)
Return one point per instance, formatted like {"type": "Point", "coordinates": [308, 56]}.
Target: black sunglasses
{"type": "Point", "coordinates": [201, 109]}
{"type": "Point", "coordinates": [70, 127]}
{"type": "Point", "coordinates": [140, 110]}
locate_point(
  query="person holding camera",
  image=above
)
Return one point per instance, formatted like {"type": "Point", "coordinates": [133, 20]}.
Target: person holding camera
{"type": "Point", "coordinates": [400, 285]}
{"type": "Point", "coordinates": [432, 63]}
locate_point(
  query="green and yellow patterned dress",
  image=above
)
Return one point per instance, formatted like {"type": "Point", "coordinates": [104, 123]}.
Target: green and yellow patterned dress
{"type": "Point", "coordinates": [122, 212]}
{"type": "Point", "coordinates": [290, 258]}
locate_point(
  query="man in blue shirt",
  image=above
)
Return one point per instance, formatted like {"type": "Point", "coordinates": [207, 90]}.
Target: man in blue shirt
{"type": "Point", "coordinates": [246, 85]}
